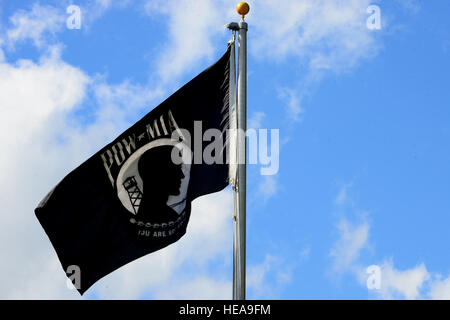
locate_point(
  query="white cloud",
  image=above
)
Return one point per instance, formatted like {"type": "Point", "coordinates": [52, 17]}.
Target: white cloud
{"type": "Point", "coordinates": [353, 237]}
{"type": "Point", "coordinates": [37, 24]}
{"type": "Point", "coordinates": [94, 10]}
{"type": "Point", "coordinates": [413, 283]}
{"type": "Point", "coordinates": [410, 283]}
{"type": "Point", "coordinates": [268, 186]}
{"type": "Point", "coordinates": [41, 23]}
{"type": "Point", "coordinates": [326, 34]}
{"type": "Point", "coordinates": [104, 3]}
{"type": "Point", "coordinates": [343, 196]}
{"type": "Point", "coordinates": [440, 289]}
{"type": "Point", "coordinates": [255, 121]}
{"type": "Point", "coordinates": [34, 96]}
{"type": "Point", "coordinates": [192, 26]}
{"type": "Point", "coordinates": [403, 284]}
{"type": "Point", "coordinates": [292, 101]}
{"type": "Point", "coordinates": [265, 280]}
{"type": "Point", "coordinates": [412, 6]}
{"type": "Point", "coordinates": [347, 249]}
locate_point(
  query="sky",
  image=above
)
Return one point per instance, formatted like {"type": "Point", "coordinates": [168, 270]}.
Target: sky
{"type": "Point", "coordinates": [363, 115]}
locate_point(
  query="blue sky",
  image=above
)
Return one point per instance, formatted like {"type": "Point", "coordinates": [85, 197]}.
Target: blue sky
{"type": "Point", "coordinates": [364, 134]}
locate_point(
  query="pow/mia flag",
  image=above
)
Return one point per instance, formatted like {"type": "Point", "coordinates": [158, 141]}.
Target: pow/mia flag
{"type": "Point", "coordinates": [133, 197]}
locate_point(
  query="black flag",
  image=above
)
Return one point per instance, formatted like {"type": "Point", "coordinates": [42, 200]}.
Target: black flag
{"type": "Point", "coordinates": [134, 196]}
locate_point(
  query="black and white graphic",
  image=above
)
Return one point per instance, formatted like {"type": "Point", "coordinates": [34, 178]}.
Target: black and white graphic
{"type": "Point", "coordinates": [154, 189]}
{"type": "Point", "coordinates": [134, 196]}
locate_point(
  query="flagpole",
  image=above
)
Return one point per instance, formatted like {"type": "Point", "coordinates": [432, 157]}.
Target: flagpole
{"type": "Point", "coordinates": [240, 225]}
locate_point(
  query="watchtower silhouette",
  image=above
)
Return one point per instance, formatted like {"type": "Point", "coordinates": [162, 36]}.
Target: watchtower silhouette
{"type": "Point", "coordinates": [134, 193]}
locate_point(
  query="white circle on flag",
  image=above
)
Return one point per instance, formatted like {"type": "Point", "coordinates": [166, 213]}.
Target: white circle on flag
{"type": "Point", "coordinates": [130, 170]}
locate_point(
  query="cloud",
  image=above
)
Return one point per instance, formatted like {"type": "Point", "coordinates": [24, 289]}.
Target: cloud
{"type": "Point", "coordinates": [192, 26]}
{"type": "Point", "coordinates": [38, 24]}
{"type": "Point", "coordinates": [326, 34]}
{"type": "Point", "coordinates": [353, 237]}
{"type": "Point", "coordinates": [41, 23]}
{"type": "Point", "coordinates": [32, 94]}
{"type": "Point", "coordinates": [343, 196]}
{"type": "Point", "coordinates": [268, 186]}
{"type": "Point", "coordinates": [266, 279]}
{"type": "Point", "coordinates": [255, 121]}
{"type": "Point", "coordinates": [316, 37]}
{"type": "Point", "coordinates": [292, 101]}
{"type": "Point", "coordinates": [402, 284]}
{"type": "Point", "coordinates": [35, 97]}
{"type": "Point", "coordinates": [94, 10]}
{"type": "Point", "coordinates": [440, 289]}
{"type": "Point", "coordinates": [103, 3]}
{"type": "Point", "coordinates": [347, 249]}
{"type": "Point", "coordinates": [413, 283]}
{"type": "Point", "coordinates": [412, 6]}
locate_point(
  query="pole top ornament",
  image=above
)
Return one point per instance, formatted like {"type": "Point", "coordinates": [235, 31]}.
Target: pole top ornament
{"type": "Point", "coordinates": [243, 8]}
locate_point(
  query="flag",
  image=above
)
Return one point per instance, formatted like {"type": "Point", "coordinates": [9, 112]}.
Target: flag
{"type": "Point", "coordinates": [134, 196]}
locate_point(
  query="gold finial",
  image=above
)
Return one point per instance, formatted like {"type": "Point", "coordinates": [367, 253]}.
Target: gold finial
{"type": "Point", "coordinates": [243, 8]}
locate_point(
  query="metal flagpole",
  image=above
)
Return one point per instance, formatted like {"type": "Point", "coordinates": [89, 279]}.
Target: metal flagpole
{"type": "Point", "coordinates": [242, 8]}
{"type": "Point", "coordinates": [239, 186]}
